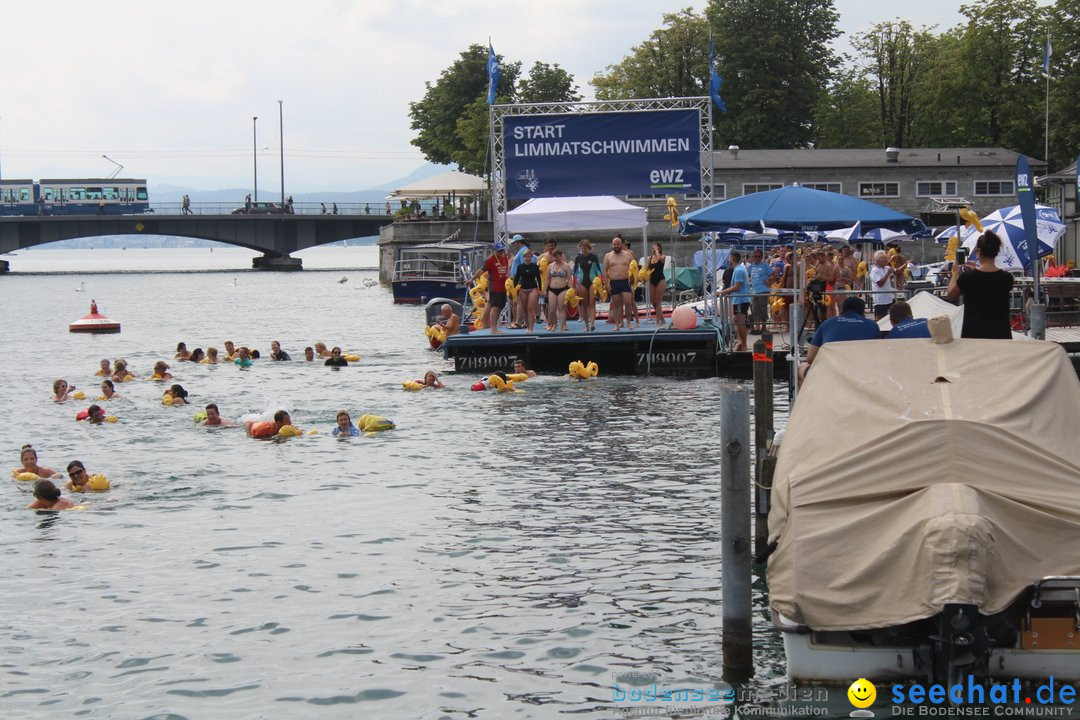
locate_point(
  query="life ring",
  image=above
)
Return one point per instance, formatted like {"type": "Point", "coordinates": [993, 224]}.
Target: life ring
{"type": "Point", "coordinates": [412, 385]}
{"type": "Point", "coordinates": [25, 476]}
{"type": "Point", "coordinates": [374, 423]}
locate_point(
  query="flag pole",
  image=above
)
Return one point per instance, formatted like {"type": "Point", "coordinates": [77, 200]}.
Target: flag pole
{"type": "Point", "coordinates": [1046, 126]}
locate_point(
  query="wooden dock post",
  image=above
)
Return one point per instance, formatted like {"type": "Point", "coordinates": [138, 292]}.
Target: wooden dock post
{"type": "Point", "coordinates": [735, 565]}
{"type": "Point", "coordinates": [763, 434]}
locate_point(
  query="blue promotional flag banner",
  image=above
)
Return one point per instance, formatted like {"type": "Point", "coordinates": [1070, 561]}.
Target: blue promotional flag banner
{"type": "Point", "coordinates": [1077, 166]}
{"type": "Point", "coordinates": [1026, 199]}
{"type": "Point", "coordinates": [493, 74]}
{"type": "Point", "coordinates": [715, 81]}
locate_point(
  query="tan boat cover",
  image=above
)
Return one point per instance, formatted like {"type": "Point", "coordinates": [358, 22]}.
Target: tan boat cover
{"type": "Point", "coordinates": [912, 475]}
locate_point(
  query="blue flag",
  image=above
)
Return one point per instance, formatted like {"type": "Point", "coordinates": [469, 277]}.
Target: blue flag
{"type": "Point", "coordinates": [715, 81]}
{"type": "Point", "coordinates": [1049, 52]}
{"type": "Point", "coordinates": [493, 74]}
{"type": "Point", "coordinates": [1026, 200]}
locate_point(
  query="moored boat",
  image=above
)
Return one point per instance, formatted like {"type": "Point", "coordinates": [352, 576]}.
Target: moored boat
{"type": "Point", "coordinates": [926, 514]}
{"type": "Point", "coordinates": [441, 269]}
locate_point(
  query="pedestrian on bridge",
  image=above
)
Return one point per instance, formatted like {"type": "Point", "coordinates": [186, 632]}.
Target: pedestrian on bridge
{"type": "Point", "coordinates": [322, 208]}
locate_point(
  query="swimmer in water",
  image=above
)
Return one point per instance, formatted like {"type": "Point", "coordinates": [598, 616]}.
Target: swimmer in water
{"type": "Point", "coordinates": [335, 359]}
{"type": "Point", "coordinates": [266, 428]}
{"type": "Point", "coordinates": [182, 352]}
{"type": "Point", "coordinates": [309, 354]}
{"type": "Point", "coordinates": [243, 357]}
{"type": "Point", "coordinates": [431, 380]}
{"type": "Point", "coordinates": [121, 372]}
{"type": "Point", "coordinates": [95, 414]}
{"type": "Point", "coordinates": [105, 369]}
{"type": "Point", "coordinates": [61, 390]}
{"type": "Point", "coordinates": [519, 368]}
{"type": "Point", "coordinates": [230, 350]}
{"type": "Point", "coordinates": [345, 427]}
{"type": "Point", "coordinates": [28, 458]}
{"type": "Point", "coordinates": [197, 355]}
{"type": "Point", "coordinates": [178, 395]}
{"type": "Point", "coordinates": [161, 371]}
{"type": "Point", "coordinates": [108, 390]}
{"type": "Point", "coordinates": [211, 356]}
{"type": "Point", "coordinates": [321, 351]}
{"type": "Point", "coordinates": [214, 419]}
{"type": "Point", "coordinates": [47, 497]}
{"type": "Point", "coordinates": [78, 476]}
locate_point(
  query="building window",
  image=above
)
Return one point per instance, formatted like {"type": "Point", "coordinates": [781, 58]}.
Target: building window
{"type": "Point", "coordinates": [935, 188]}
{"type": "Point", "coordinates": [833, 187]}
{"type": "Point", "coordinates": [748, 189]}
{"type": "Point", "coordinates": [719, 191]}
{"type": "Point", "coordinates": [994, 187]}
{"type": "Point", "coordinates": [879, 189]}
{"type": "Point", "coordinates": [646, 197]}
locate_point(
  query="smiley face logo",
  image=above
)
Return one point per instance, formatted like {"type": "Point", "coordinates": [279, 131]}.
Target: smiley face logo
{"type": "Point", "coordinates": [862, 693]}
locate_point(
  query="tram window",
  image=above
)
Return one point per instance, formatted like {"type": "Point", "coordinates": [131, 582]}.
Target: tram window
{"type": "Point", "coordinates": [93, 193]}
{"type": "Point", "coordinates": [24, 194]}
{"type": "Point", "coordinates": [48, 192]}
{"type": "Point", "coordinates": [140, 193]}
{"type": "Point", "coordinates": [76, 193]}
{"type": "Point", "coordinates": [110, 193]}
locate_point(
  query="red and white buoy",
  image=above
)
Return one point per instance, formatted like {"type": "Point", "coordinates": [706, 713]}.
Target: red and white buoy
{"type": "Point", "coordinates": [95, 322]}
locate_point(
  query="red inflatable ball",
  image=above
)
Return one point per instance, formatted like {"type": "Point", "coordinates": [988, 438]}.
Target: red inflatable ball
{"type": "Point", "coordinates": [684, 318]}
{"type": "Point", "coordinates": [479, 386]}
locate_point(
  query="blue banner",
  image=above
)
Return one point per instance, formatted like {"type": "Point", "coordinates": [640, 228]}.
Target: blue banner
{"type": "Point", "coordinates": [623, 153]}
{"type": "Point", "coordinates": [1077, 185]}
{"type": "Point", "coordinates": [1026, 200]}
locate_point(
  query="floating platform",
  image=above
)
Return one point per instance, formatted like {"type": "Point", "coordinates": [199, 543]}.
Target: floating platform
{"type": "Point", "coordinates": [647, 350]}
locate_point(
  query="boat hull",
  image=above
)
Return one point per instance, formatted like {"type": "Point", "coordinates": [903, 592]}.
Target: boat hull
{"type": "Point", "coordinates": [418, 292]}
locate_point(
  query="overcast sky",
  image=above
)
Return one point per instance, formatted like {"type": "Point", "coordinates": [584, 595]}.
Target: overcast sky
{"type": "Point", "coordinates": [168, 90]}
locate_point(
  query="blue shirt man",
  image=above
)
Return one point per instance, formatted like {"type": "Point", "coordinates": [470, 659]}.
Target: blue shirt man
{"type": "Point", "coordinates": [518, 242]}
{"type": "Point", "coordinates": [852, 324]}
{"type": "Point", "coordinates": [741, 279]}
{"type": "Point", "coordinates": [759, 275]}
{"type": "Point", "coordinates": [905, 326]}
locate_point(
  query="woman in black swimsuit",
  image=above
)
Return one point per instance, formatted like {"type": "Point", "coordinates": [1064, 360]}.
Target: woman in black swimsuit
{"type": "Point", "coordinates": [657, 283]}
{"type": "Point", "coordinates": [587, 267]}
{"type": "Point", "coordinates": [558, 281]}
{"type": "Point", "coordinates": [527, 278]}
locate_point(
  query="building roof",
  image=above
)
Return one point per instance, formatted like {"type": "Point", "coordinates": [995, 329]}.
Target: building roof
{"type": "Point", "coordinates": [868, 158]}
{"type": "Point", "coordinates": [1061, 176]}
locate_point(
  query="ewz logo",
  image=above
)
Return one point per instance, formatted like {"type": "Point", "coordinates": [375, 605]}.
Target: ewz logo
{"type": "Point", "coordinates": [672, 178]}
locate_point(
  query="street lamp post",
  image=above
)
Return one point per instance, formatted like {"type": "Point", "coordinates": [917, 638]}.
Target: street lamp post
{"type": "Point", "coordinates": [281, 132]}
{"type": "Point", "coordinates": [255, 156]}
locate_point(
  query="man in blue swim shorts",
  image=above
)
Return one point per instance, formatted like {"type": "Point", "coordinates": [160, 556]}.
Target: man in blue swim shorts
{"type": "Point", "coordinates": [617, 279]}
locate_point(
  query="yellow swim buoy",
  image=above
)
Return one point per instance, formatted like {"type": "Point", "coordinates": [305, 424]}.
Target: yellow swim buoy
{"type": "Point", "coordinates": [860, 271]}
{"type": "Point", "coordinates": [200, 416]}
{"type": "Point", "coordinates": [634, 269]}
{"type": "Point", "coordinates": [374, 423]}
{"type": "Point", "coordinates": [78, 395]}
{"type": "Point", "coordinates": [502, 385]}
{"type": "Point", "coordinates": [572, 298]}
{"type": "Point", "coordinates": [25, 476]}
{"type": "Point", "coordinates": [543, 265]}
{"type": "Point", "coordinates": [581, 371]}
{"type": "Point", "coordinates": [412, 385]}
{"type": "Point", "coordinates": [599, 290]}
{"type": "Point", "coordinates": [288, 431]}
{"type": "Point", "coordinates": [166, 399]}
{"type": "Point", "coordinates": [98, 483]}
{"type": "Point", "coordinates": [517, 377]}
{"type": "Point", "coordinates": [512, 290]}
{"type": "Point", "coordinates": [111, 419]}
{"type": "Point", "coordinates": [644, 274]}
{"type": "Point", "coordinates": [351, 358]}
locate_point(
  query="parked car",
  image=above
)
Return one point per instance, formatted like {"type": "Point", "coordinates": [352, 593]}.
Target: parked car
{"type": "Point", "coordinates": [261, 208]}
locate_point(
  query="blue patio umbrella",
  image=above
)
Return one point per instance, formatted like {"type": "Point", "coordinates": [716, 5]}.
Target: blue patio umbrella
{"type": "Point", "coordinates": [1007, 224]}
{"type": "Point", "coordinates": [798, 209]}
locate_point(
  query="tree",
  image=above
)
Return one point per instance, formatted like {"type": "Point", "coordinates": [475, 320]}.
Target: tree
{"type": "Point", "coordinates": [672, 62]}
{"type": "Point", "coordinates": [942, 115]}
{"type": "Point", "coordinates": [895, 55]}
{"type": "Point", "coordinates": [547, 83]}
{"type": "Point", "coordinates": [436, 115]}
{"type": "Point", "coordinates": [846, 114]}
{"type": "Point", "coordinates": [775, 58]}
{"type": "Point", "coordinates": [1065, 85]}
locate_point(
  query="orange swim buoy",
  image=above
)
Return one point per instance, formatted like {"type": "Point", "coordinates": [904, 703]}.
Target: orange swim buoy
{"type": "Point", "coordinates": [263, 428]}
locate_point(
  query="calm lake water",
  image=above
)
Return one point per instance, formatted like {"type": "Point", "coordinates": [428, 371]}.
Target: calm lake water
{"type": "Point", "coordinates": [495, 556]}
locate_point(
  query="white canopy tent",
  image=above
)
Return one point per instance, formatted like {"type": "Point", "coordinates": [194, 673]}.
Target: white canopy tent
{"type": "Point", "coordinates": [569, 214]}
{"type": "Point", "coordinates": [447, 183]}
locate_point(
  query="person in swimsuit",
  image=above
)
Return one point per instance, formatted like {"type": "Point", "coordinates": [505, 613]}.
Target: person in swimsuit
{"type": "Point", "coordinates": [178, 395]}
{"type": "Point", "coordinates": [121, 372]}
{"type": "Point", "coordinates": [108, 390]}
{"type": "Point", "coordinates": [267, 428]}
{"type": "Point", "coordinates": [431, 380]}
{"type": "Point", "coordinates": [211, 356]}
{"type": "Point", "coordinates": [161, 371]}
{"type": "Point", "coordinates": [47, 497]}
{"type": "Point", "coordinates": [230, 350]}
{"type": "Point", "coordinates": [182, 352]}
{"type": "Point", "coordinates": [335, 359]}
{"type": "Point", "coordinates": [617, 280]}
{"type": "Point", "coordinates": [527, 278]}
{"type": "Point", "coordinates": [213, 417]}
{"type": "Point", "coordinates": [345, 427]}
{"type": "Point", "coordinates": [321, 351]}
{"type": "Point", "coordinates": [558, 282]}
{"type": "Point", "coordinates": [78, 476]}
{"type": "Point", "coordinates": [657, 282]}
{"type": "Point", "coordinates": [28, 458]}
{"type": "Point", "coordinates": [106, 368]}
{"type": "Point", "coordinates": [309, 354]}
{"type": "Point", "coordinates": [586, 269]}
{"type": "Point", "coordinates": [61, 390]}
{"type": "Point", "coordinates": [520, 369]}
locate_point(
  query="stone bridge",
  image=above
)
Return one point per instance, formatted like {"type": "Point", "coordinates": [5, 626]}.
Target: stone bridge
{"type": "Point", "coordinates": [275, 236]}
